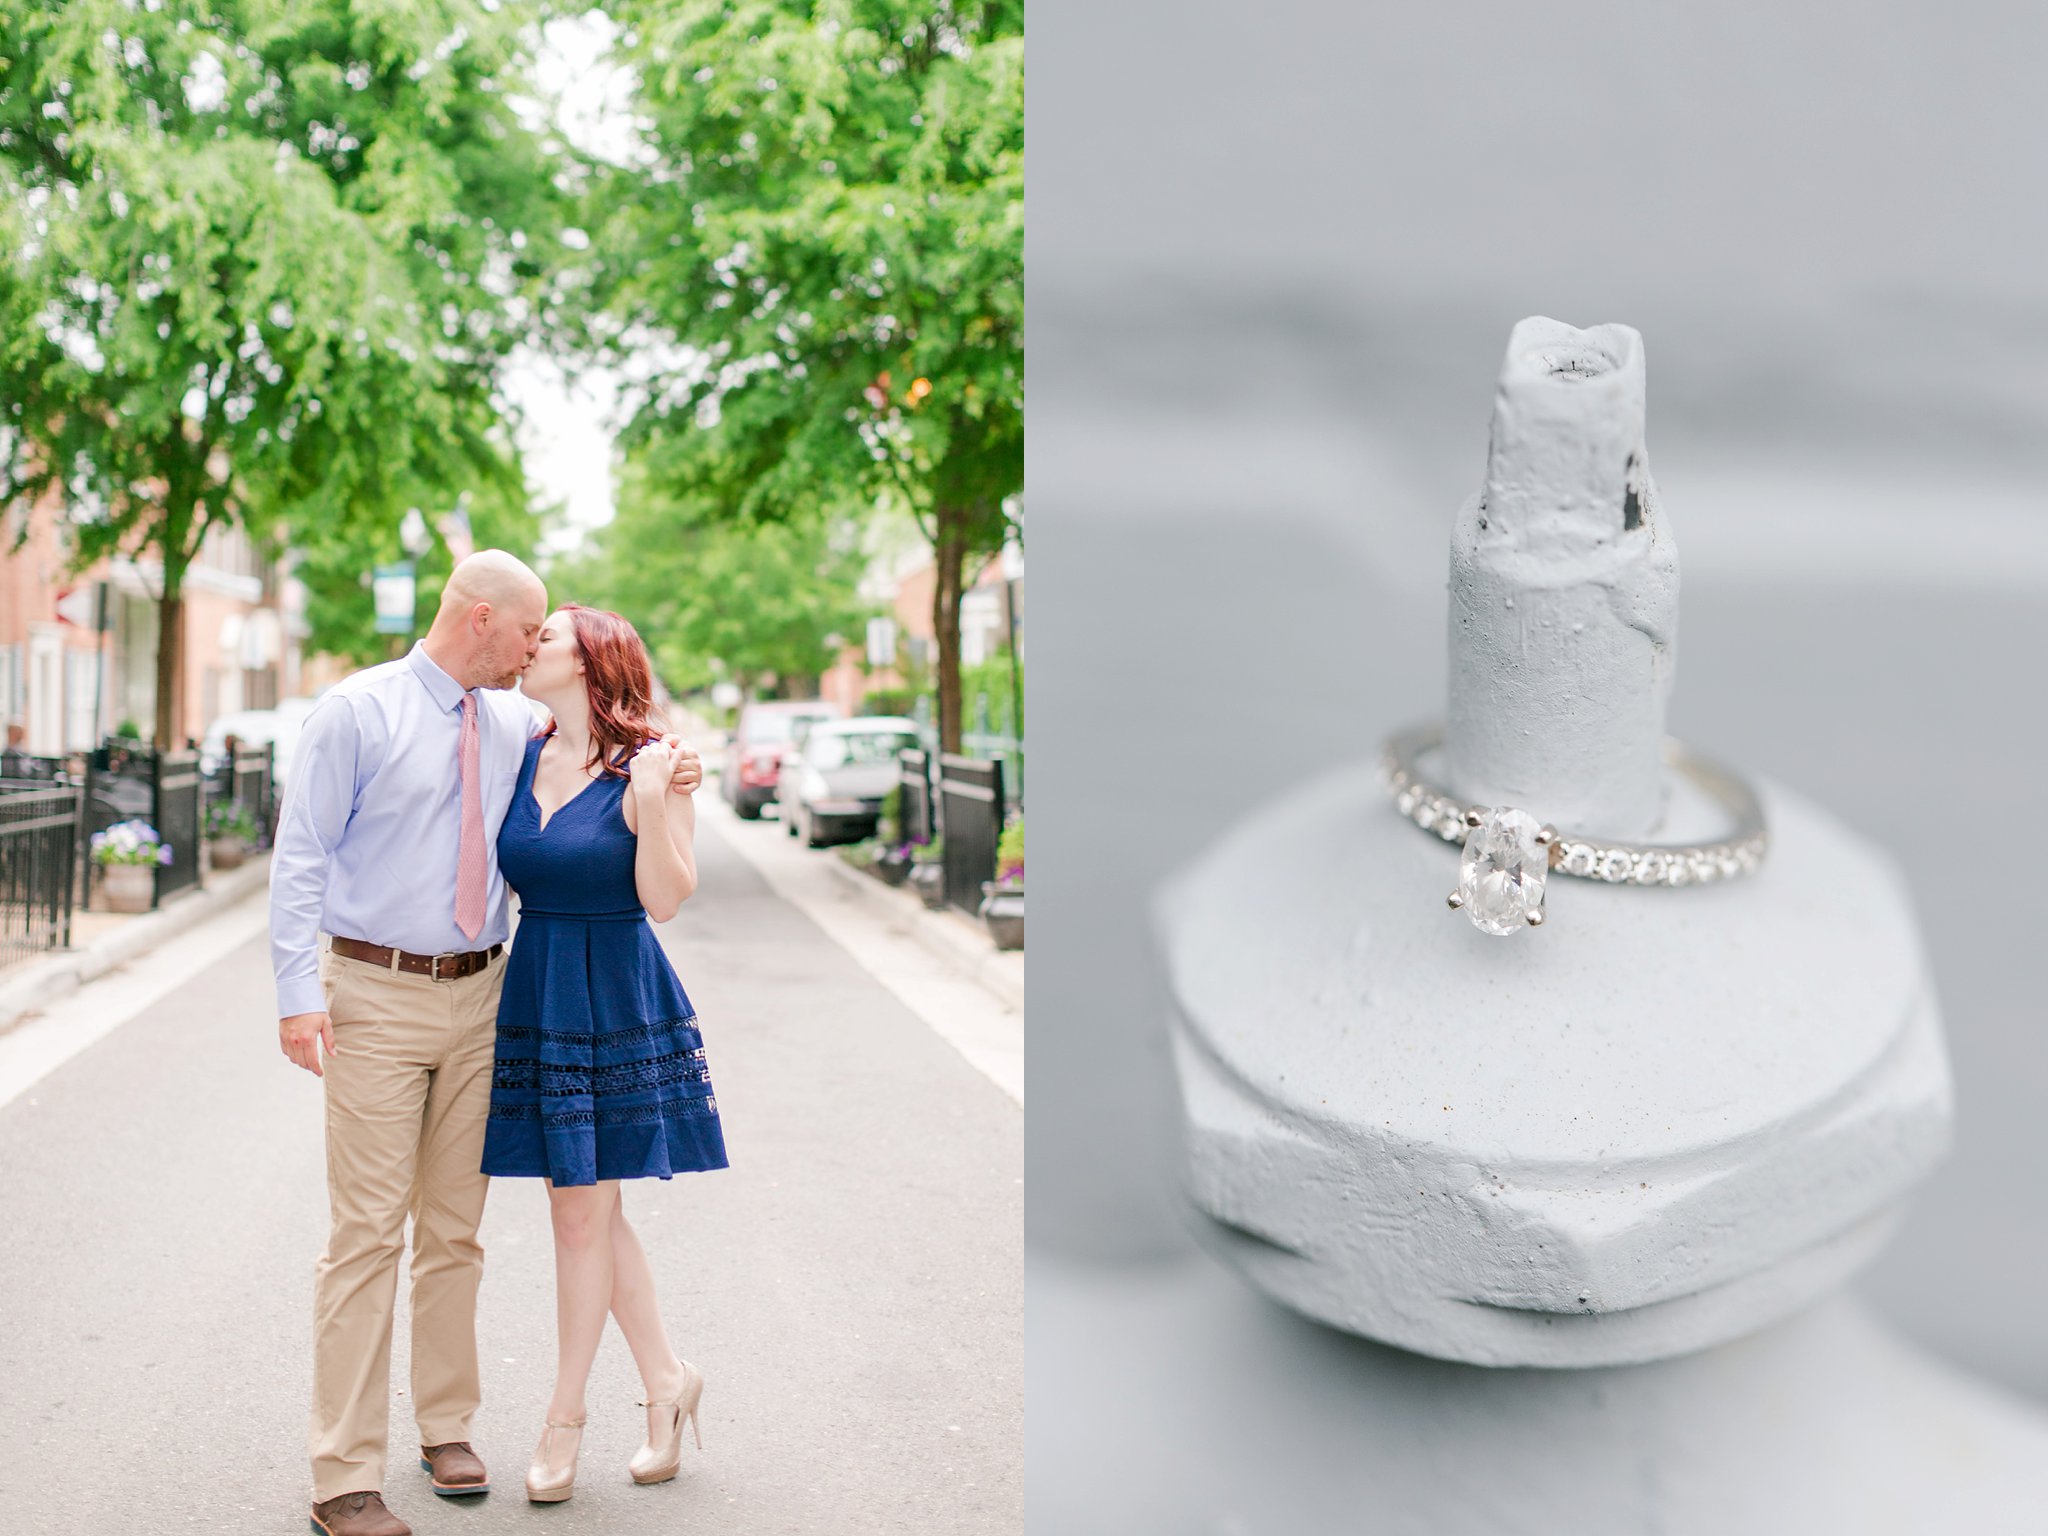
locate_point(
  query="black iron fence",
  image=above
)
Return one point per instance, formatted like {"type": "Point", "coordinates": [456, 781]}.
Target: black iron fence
{"type": "Point", "coordinates": [249, 779]}
{"type": "Point", "coordinates": [39, 840]}
{"type": "Point", "coordinates": [1006, 749]}
{"type": "Point", "coordinates": [914, 797]}
{"type": "Point", "coordinates": [27, 765]}
{"type": "Point", "coordinates": [180, 820]}
{"type": "Point", "coordinates": [971, 820]}
{"type": "Point", "coordinates": [132, 781]}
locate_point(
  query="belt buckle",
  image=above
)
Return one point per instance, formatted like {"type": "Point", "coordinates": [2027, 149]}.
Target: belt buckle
{"type": "Point", "coordinates": [434, 973]}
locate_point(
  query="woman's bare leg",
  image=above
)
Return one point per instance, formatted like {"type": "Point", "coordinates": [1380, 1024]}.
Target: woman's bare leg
{"type": "Point", "coordinates": [582, 1218]}
{"type": "Point", "coordinates": [638, 1310]}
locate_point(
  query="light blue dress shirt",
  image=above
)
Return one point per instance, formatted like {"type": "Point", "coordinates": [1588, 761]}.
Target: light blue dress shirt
{"type": "Point", "coordinates": [367, 842]}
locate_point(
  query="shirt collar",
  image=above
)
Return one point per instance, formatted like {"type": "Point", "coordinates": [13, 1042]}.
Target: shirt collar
{"type": "Point", "coordinates": [445, 691]}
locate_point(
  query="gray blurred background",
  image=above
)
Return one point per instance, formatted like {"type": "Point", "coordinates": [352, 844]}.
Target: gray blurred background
{"type": "Point", "coordinates": [1274, 258]}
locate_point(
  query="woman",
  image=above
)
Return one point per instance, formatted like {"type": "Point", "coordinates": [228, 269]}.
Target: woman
{"type": "Point", "coordinates": [600, 1068]}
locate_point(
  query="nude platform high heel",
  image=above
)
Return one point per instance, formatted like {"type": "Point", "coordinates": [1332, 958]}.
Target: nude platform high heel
{"type": "Point", "coordinates": [552, 1477]}
{"type": "Point", "coordinates": [662, 1456]}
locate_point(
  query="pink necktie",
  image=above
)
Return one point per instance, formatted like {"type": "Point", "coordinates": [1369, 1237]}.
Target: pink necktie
{"type": "Point", "coordinates": [470, 871]}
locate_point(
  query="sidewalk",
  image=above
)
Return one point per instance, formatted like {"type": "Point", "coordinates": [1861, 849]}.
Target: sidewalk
{"type": "Point", "coordinates": [102, 940]}
{"type": "Point", "coordinates": [962, 942]}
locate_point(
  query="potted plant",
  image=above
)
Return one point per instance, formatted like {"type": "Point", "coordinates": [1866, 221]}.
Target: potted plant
{"type": "Point", "coordinates": [1002, 899]}
{"type": "Point", "coordinates": [892, 864]}
{"type": "Point", "coordinates": [230, 829]}
{"type": "Point", "coordinates": [928, 872]}
{"type": "Point", "coordinates": [128, 854]}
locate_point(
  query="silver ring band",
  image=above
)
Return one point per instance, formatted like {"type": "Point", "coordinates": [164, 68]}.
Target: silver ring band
{"type": "Point", "coordinates": [1507, 855]}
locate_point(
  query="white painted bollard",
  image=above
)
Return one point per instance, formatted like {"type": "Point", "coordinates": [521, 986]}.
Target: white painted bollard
{"type": "Point", "coordinates": [1667, 1119]}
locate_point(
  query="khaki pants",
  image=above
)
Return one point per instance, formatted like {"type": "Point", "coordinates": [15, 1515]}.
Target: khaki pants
{"type": "Point", "coordinates": [407, 1097]}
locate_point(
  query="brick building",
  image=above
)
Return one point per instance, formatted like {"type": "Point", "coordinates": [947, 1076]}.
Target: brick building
{"type": "Point", "coordinates": [68, 684]}
{"type": "Point", "coordinates": [905, 584]}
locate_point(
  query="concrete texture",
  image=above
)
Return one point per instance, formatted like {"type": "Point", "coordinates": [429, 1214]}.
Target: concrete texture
{"type": "Point", "coordinates": [851, 1287]}
{"type": "Point", "coordinates": [1663, 1120]}
{"type": "Point", "coordinates": [1564, 594]}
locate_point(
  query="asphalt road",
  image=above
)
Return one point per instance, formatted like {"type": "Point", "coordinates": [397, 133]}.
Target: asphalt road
{"type": "Point", "coordinates": [851, 1287]}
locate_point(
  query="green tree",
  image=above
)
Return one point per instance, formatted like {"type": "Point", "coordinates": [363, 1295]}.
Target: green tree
{"type": "Point", "coordinates": [263, 260]}
{"type": "Point", "coordinates": [333, 561]}
{"type": "Point", "coordinates": [829, 225]}
{"type": "Point", "coordinates": [713, 597]}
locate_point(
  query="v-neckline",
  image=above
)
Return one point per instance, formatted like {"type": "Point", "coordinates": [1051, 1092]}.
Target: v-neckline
{"type": "Point", "coordinates": [542, 815]}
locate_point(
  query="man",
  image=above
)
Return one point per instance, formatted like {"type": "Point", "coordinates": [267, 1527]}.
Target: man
{"type": "Point", "coordinates": [387, 844]}
{"type": "Point", "coordinates": [14, 757]}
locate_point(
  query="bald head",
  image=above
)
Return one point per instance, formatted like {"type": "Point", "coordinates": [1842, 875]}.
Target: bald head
{"type": "Point", "coordinates": [490, 617]}
{"type": "Point", "coordinates": [494, 577]}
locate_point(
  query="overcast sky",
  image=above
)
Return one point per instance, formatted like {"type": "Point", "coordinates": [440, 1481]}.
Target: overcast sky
{"type": "Point", "coordinates": [567, 435]}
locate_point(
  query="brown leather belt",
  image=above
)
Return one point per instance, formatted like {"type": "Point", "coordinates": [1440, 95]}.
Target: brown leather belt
{"type": "Point", "coordinates": [448, 967]}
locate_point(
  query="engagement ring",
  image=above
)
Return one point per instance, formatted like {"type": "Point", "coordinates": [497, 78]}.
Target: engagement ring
{"type": "Point", "coordinates": [1509, 854]}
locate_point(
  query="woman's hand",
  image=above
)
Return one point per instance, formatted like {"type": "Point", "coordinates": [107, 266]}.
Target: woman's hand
{"type": "Point", "coordinates": [664, 820]}
{"type": "Point", "coordinates": [688, 770]}
{"type": "Point", "coordinates": [652, 767]}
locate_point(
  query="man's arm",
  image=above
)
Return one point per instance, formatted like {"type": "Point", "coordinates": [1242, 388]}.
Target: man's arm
{"type": "Point", "coordinates": [316, 812]}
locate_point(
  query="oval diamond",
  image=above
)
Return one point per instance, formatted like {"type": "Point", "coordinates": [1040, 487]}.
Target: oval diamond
{"type": "Point", "coordinates": [1500, 876]}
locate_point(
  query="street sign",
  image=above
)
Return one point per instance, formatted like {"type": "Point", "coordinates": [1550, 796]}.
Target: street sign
{"type": "Point", "coordinates": [392, 590]}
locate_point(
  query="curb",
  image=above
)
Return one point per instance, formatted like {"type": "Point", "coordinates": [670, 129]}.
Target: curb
{"type": "Point", "coordinates": [952, 939]}
{"type": "Point", "coordinates": [41, 982]}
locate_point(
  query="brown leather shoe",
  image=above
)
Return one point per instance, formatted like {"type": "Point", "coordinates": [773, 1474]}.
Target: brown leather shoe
{"type": "Point", "coordinates": [358, 1514]}
{"type": "Point", "coordinates": [457, 1469]}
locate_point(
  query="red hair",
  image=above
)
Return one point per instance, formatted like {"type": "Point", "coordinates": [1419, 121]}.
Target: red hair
{"type": "Point", "coordinates": [619, 682]}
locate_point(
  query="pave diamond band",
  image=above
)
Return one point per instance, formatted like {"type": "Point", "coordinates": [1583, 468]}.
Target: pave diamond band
{"type": "Point", "coordinates": [1508, 855]}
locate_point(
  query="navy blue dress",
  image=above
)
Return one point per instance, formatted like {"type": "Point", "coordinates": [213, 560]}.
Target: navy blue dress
{"type": "Point", "coordinates": [600, 1069]}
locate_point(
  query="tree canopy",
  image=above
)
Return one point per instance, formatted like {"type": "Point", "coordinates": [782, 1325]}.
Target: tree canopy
{"type": "Point", "coordinates": [827, 231]}
{"type": "Point", "coordinates": [718, 598]}
{"type": "Point", "coordinates": [263, 261]}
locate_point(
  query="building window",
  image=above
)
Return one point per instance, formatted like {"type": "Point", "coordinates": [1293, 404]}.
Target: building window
{"type": "Point", "coordinates": [81, 696]}
{"type": "Point", "coordinates": [12, 703]}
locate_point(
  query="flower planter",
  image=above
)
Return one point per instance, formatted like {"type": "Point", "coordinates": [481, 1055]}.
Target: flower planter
{"type": "Point", "coordinates": [128, 887]}
{"type": "Point", "coordinates": [891, 870]}
{"type": "Point", "coordinates": [929, 881]}
{"type": "Point", "coordinates": [1002, 908]}
{"type": "Point", "coordinates": [226, 852]}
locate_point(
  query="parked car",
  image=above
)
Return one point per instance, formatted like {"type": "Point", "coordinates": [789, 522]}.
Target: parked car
{"type": "Point", "coordinates": [253, 727]}
{"type": "Point", "coordinates": [753, 759]}
{"type": "Point", "coordinates": [832, 789]}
